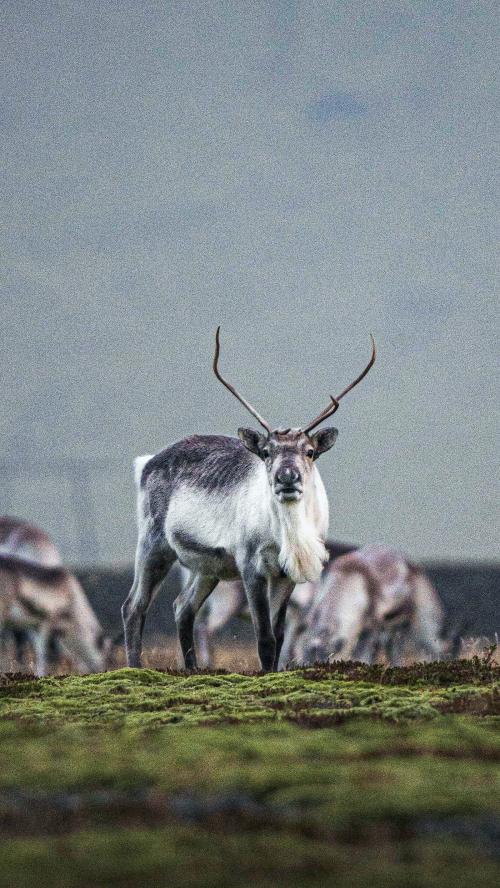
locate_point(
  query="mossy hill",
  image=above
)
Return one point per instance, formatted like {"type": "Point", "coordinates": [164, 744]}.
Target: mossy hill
{"type": "Point", "coordinates": [344, 775]}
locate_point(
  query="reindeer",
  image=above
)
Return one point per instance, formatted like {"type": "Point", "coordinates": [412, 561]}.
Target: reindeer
{"type": "Point", "coordinates": [228, 602]}
{"type": "Point", "coordinates": [252, 507]}
{"type": "Point", "coordinates": [48, 603]}
{"type": "Point", "coordinates": [370, 601]}
{"type": "Point", "coordinates": [25, 540]}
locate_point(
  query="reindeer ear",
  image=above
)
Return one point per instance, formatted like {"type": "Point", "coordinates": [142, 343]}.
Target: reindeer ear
{"type": "Point", "coordinates": [253, 441]}
{"type": "Point", "coordinates": [323, 440]}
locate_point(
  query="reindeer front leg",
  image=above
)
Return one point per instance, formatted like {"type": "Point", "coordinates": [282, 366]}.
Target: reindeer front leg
{"type": "Point", "coordinates": [280, 593]}
{"type": "Point", "coordinates": [256, 588]}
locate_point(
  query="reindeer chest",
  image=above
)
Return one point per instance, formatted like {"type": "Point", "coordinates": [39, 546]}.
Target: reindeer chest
{"type": "Point", "coordinates": [268, 560]}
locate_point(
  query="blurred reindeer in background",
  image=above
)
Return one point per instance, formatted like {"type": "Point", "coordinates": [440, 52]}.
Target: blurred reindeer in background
{"type": "Point", "coordinates": [374, 602]}
{"type": "Point", "coordinates": [370, 603]}
{"type": "Point", "coordinates": [49, 604]}
{"type": "Point", "coordinates": [25, 540]}
{"type": "Point", "coordinates": [42, 605]}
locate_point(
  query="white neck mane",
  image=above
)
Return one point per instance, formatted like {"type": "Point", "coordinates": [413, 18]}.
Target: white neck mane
{"type": "Point", "coordinates": [301, 529]}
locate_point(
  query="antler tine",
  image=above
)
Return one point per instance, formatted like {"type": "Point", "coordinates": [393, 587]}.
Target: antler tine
{"type": "Point", "coordinates": [231, 388]}
{"type": "Point", "coordinates": [330, 410]}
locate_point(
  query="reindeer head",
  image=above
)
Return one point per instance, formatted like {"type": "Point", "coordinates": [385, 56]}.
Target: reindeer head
{"type": "Point", "coordinates": [288, 454]}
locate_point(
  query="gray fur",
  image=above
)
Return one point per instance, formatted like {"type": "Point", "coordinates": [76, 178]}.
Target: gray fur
{"type": "Point", "coordinates": [211, 462]}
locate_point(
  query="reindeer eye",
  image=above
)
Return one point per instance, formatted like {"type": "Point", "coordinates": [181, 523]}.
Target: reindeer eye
{"type": "Point", "coordinates": [266, 453]}
{"type": "Point", "coordinates": [310, 452]}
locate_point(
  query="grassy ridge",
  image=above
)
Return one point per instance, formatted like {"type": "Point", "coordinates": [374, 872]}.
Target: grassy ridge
{"type": "Point", "coordinates": [341, 775]}
{"type": "Point", "coordinates": [145, 698]}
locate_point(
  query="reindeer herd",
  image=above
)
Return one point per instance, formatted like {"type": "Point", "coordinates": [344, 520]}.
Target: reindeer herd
{"type": "Point", "coordinates": [247, 517]}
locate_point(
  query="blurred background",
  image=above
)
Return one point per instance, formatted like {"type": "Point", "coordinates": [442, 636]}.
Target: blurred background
{"type": "Point", "coordinates": [303, 173]}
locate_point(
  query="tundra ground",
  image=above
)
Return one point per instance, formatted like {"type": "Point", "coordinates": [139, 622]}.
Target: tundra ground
{"type": "Point", "coordinates": [339, 775]}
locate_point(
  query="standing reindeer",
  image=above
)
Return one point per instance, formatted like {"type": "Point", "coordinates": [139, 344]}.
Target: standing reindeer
{"type": "Point", "coordinates": [373, 601]}
{"type": "Point", "coordinates": [253, 507]}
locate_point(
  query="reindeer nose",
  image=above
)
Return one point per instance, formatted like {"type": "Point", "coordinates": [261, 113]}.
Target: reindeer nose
{"type": "Point", "coordinates": [287, 475]}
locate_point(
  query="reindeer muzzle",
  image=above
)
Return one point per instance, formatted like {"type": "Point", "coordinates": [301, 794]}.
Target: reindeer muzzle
{"type": "Point", "coordinates": [288, 484]}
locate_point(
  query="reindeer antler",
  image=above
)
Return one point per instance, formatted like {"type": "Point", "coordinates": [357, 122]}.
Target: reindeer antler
{"type": "Point", "coordinates": [231, 388]}
{"type": "Point", "coordinates": [330, 410]}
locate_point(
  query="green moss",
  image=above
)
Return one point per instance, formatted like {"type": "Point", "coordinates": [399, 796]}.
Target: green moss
{"type": "Point", "coordinates": [146, 698]}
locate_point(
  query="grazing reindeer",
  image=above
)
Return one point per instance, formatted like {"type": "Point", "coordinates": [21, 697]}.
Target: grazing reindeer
{"type": "Point", "coordinates": [369, 601]}
{"type": "Point", "coordinates": [253, 507]}
{"type": "Point", "coordinates": [228, 602]}
{"type": "Point", "coordinates": [25, 540]}
{"type": "Point", "coordinates": [48, 603]}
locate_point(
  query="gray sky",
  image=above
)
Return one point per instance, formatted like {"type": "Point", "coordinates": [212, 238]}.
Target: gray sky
{"type": "Point", "coordinates": [303, 173]}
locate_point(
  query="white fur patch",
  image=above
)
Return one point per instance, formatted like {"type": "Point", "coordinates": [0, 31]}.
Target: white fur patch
{"type": "Point", "coordinates": [302, 552]}
{"type": "Point", "coordinates": [221, 520]}
{"type": "Point", "coordinates": [139, 463]}
{"type": "Point", "coordinates": [303, 527]}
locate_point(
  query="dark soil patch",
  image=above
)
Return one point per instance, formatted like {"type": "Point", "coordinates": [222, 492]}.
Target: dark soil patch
{"type": "Point", "coordinates": [476, 670]}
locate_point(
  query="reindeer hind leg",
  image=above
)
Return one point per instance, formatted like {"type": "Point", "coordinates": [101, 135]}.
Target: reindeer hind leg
{"type": "Point", "coordinates": [186, 606]}
{"type": "Point", "coordinates": [151, 567]}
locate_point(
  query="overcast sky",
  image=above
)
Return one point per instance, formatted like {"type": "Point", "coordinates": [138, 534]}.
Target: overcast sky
{"type": "Point", "coordinates": [303, 173]}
